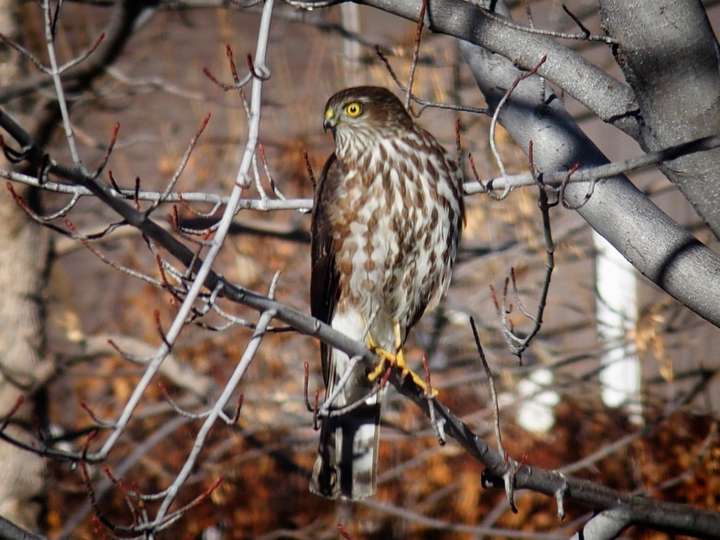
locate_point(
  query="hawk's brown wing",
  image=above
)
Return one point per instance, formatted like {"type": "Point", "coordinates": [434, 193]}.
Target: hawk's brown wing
{"type": "Point", "coordinates": [324, 291]}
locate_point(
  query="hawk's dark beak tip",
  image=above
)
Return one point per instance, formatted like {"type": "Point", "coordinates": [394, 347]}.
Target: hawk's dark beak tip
{"type": "Point", "coordinates": [329, 120]}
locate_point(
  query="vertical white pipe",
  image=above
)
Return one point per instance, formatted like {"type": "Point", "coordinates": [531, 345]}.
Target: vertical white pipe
{"type": "Point", "coordinates": [536, 413]}
{"type": "Point", "coordinates": [350, 16]}
{"type": "Point", "coordinates": [616, 309]}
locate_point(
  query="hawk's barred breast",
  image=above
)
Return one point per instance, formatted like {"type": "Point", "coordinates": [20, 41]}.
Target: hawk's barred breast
{"type": "Point", "coordinates": [395, 226]}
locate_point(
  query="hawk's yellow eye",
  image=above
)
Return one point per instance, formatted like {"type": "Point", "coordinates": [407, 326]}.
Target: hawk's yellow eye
{"type": "Point", "coordinates": [353, 110]}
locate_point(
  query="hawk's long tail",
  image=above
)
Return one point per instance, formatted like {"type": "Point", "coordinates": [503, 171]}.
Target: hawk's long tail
{"type": "Point", "coordinates": [346, 466]}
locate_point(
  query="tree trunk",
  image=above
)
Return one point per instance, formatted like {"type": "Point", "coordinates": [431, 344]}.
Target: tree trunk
{"type": "Point", "coordinates": [24, 251]}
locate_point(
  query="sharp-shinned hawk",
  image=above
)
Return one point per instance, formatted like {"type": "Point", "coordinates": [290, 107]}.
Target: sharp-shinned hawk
{"type": "Point", "coordinates": [386, 224]}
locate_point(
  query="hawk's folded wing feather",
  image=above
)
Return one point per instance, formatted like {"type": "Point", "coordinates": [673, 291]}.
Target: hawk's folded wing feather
{"type": "Point", "coordinates": [324, 291]}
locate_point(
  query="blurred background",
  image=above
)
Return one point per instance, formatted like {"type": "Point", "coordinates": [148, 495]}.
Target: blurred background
{"type": "Point", "coordinates": [620, 385]}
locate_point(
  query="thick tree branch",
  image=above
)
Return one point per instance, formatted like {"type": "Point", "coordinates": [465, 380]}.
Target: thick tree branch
{"type": "Point", "coordinates": [657, 246]}
{"type": "Point", "coordinates": [10, 531]}
{"type": "Point", "coordinates": [669, 55]}
{"type": "Point", "coordinates": [640, 510]}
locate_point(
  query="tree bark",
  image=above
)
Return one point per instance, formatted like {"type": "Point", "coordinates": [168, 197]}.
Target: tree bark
{"type": "Point", "coordinates": [24, 254]}
{"type": "Point", "coordinates": [669, 55]}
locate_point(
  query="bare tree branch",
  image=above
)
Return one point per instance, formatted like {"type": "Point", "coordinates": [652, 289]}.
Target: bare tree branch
{"type": "Point", "coordinates": [669, 56]}
{"type": "Point", "coordinates": [665, 253]}
{"type": "Point", "coordinates": [10, 531]}
{"type": "Point", "coordinates": [117, 34]}
{"type": "Point", "coordinates": [197, 286]}
{"type": "Point", "coordinates": [611, 100]}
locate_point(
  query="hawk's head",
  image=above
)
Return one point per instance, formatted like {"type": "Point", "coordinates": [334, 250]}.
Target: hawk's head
{"type": "Point", "coordinates": [371, 107]}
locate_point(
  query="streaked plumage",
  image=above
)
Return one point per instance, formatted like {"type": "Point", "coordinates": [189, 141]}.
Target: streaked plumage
{"type": "Point", "coordinates": [386, 225]}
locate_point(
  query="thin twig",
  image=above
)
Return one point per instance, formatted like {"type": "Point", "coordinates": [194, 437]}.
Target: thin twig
{"type": "Point", "coordinates": [493, 125]}
{"type": "Point", "coordinates": [585, 36]}
{"type": "Point", "coordinates": [327, 404]}
{"type": "Point", "coordinates": [214, 413]}
{"type": "Point", "coordinates": [416, 53]}
{"type": "Point", "coordinates": [84, 55]}
{"type": "Point", "coordinates": [25, 52]}
{"type": "Point", "coordinates": [424, 103]}
{"type": "Point", "coordinates": [519, 344]}
{"type": "Point", "coordinates": [181, 166]}
{"type": "Point", "coordinates": [491, 384]}
{"type": "Point", "coordinates": [55, 74]}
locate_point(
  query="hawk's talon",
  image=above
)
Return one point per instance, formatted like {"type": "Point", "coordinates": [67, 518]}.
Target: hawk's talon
{"type": "Point", "coordinates": [396, 360]}
{"type": "Point", "coordinates": [384, 355]}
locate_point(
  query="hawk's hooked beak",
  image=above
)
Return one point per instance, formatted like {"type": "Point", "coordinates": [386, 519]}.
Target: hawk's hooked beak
{"type": "Point", "coordinates": [330, 120]}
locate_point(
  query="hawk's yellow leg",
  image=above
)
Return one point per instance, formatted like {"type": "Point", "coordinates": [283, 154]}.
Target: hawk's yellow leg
{"type": "Point", "coordinates": [398, 359]}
